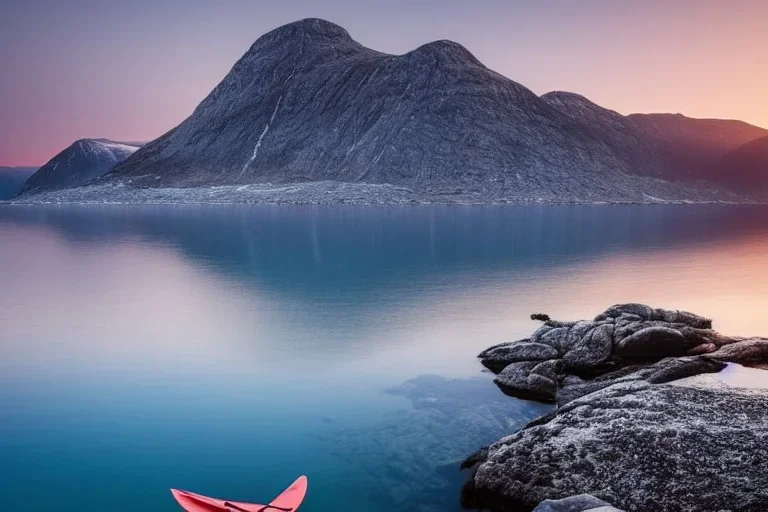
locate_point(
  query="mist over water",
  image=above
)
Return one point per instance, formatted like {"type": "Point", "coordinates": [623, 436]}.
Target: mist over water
{"type": "Point", "coordinates": [228, 349]}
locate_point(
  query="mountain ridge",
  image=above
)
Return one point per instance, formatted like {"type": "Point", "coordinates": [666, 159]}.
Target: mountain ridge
{"type": "Point", "coordinates": [309, 104]}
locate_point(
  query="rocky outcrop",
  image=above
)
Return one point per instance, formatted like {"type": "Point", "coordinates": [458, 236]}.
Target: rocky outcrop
{"type": "Point", "coordinates": [562, 359]}
{"type": "Point", "coordinates": [644, 422]}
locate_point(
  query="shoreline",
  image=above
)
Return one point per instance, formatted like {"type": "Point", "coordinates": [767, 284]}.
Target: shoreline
{"type": "Point", "coordinates": [334, 194]}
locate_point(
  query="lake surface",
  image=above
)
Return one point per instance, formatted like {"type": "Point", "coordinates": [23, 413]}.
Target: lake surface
{"type": "Point", "coordinates": [227, 350]}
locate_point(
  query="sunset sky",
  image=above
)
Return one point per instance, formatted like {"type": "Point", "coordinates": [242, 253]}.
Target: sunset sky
{"type": "Point", "coordinates": [133, 70]}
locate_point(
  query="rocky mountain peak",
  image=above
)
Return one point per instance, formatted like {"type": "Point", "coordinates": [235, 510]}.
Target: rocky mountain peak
{"type": "Point", "coordinates": [314, 27]}
{"type": "Point", "coordinates": [446, 51]}
{"type": "Point", "coordinates": [83, 143]}
{"type": "Point", "coordinates": [88, 143]}
{"type": "Point", "coordinates": [309, 31]}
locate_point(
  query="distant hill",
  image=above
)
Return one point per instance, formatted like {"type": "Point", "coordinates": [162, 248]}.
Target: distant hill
{"type": "Point", "coordinates": [619, 134]}
{"type": "Point", "coordinates": [694, 147]}
{"type": "Point", "coordinates": [667, 146]}
{"type": "Point", "coordinates": [12, 179]}
{"type": "Point", "coordinates": [83, 161]}
{"type": "Point", "coordinates": [746, 167]}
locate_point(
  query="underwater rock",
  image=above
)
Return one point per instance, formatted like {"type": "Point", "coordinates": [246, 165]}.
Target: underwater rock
{"type": "Point", "coordinates": [409, 457]}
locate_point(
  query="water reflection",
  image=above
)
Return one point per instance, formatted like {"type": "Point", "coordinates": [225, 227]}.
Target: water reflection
{"type": "Point", "coordinates": [234, 283]}
{"type": "Point", "coordinates": [225, 349]}
{"type": "Point", "coordinates": [303, 250]}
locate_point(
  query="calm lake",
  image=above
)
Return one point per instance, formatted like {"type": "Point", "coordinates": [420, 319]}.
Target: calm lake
{"type": "Point", "coordinates": [228, 349]}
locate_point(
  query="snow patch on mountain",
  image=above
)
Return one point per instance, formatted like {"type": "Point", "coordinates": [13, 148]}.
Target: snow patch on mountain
{"type": "Point", "coordinates": [84, 161]}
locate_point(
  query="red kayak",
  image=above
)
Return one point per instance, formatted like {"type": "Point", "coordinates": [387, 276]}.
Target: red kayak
{"type": "Point", "coordinates": [288, 501]}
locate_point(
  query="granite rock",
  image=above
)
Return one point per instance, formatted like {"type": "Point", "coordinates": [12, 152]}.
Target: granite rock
{"type": "Point", "coordinates": [639, 446]}
{"type": "Point", "coordinates": [645, 420]}
{"type": "Point", "coordinates": [590, 354]}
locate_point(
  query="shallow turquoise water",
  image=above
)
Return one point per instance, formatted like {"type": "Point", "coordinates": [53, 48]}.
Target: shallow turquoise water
{"type": "Point", "coordinates": [227, 350]}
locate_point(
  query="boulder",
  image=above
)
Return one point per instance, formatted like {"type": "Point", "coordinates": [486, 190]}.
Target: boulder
{"type": "Point", "coordinates": [532, 379]}
{"type": "Point", "coordinates": [653, 342]}
{"type": "Point", "coordinates": [750, 352]}
{"type": "Point", "coordinates": [639, 446]}
{"type": "Point", "coordinates": [500, 356]}
{"type": "Point", "coordinates": [648, 313]}
{"type": "Point", "coordinates": [623, 336]}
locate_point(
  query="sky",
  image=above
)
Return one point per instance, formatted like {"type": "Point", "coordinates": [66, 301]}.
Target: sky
{"type": "Point", "coordinates": [134, 70]}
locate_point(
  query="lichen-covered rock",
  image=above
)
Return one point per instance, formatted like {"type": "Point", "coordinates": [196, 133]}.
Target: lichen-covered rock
{"type": "Point", "coordinates": [653, 342]}
{"type": "Point", "coordinates": [648, 313]}
{"type": "Point", "coordinates": [749, 352]}
{"type": "Point", "coordinates": [592, 348]}
{"type": "Point", "coordinates": [623, 336]}
{"type": "Point", "coordinates": [529, 379]}
{"type": "Point", "coordinates": [639, 446]}
{"type": "Point", "coordinates": [503, 355]}
{"type": "Point", "coordinates": [632, 430]}
{"type": "Point", "coordinates": [666, 370]}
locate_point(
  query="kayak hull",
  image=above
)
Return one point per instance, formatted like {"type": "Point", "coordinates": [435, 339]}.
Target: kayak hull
{"type": "Point", "coordinates": [288, 501]}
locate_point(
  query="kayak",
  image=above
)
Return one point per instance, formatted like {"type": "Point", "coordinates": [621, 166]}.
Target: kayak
{"type": "Point", "coordinates": [288, 501]}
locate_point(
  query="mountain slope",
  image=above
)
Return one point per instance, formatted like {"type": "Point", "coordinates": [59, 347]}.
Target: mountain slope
{"type": "Point", "coordinates": [307, 103]}
{"type": "Point", "coordinates": [83, 161]}
{"type": "Point", "coordinates": [12, 179]}
{"type": "Point", "coordinates": [620, 135]}
{"type": "Point", "coordinates": [694, 147]}
{"type": "Point", "coordinates": [746, 167]}
{"type": "Point", "coordinates": [667, 146]}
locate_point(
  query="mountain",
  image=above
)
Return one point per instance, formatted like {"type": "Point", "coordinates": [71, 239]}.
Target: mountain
{"type": "Point", "coordinates": [307, 103]}
{"type": "Point", "coordinates": [666, 146]}
{"type": "Point", "coordinates": [12, 179]}
{"type": "Point", "coordinates": [694, 147]}
{"type": "Point", "coordinates": [746, 167]}
{"type": "Point", "coordinates": [83, 161]}
{"type": "Point", "coordinates": [620, 135]}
